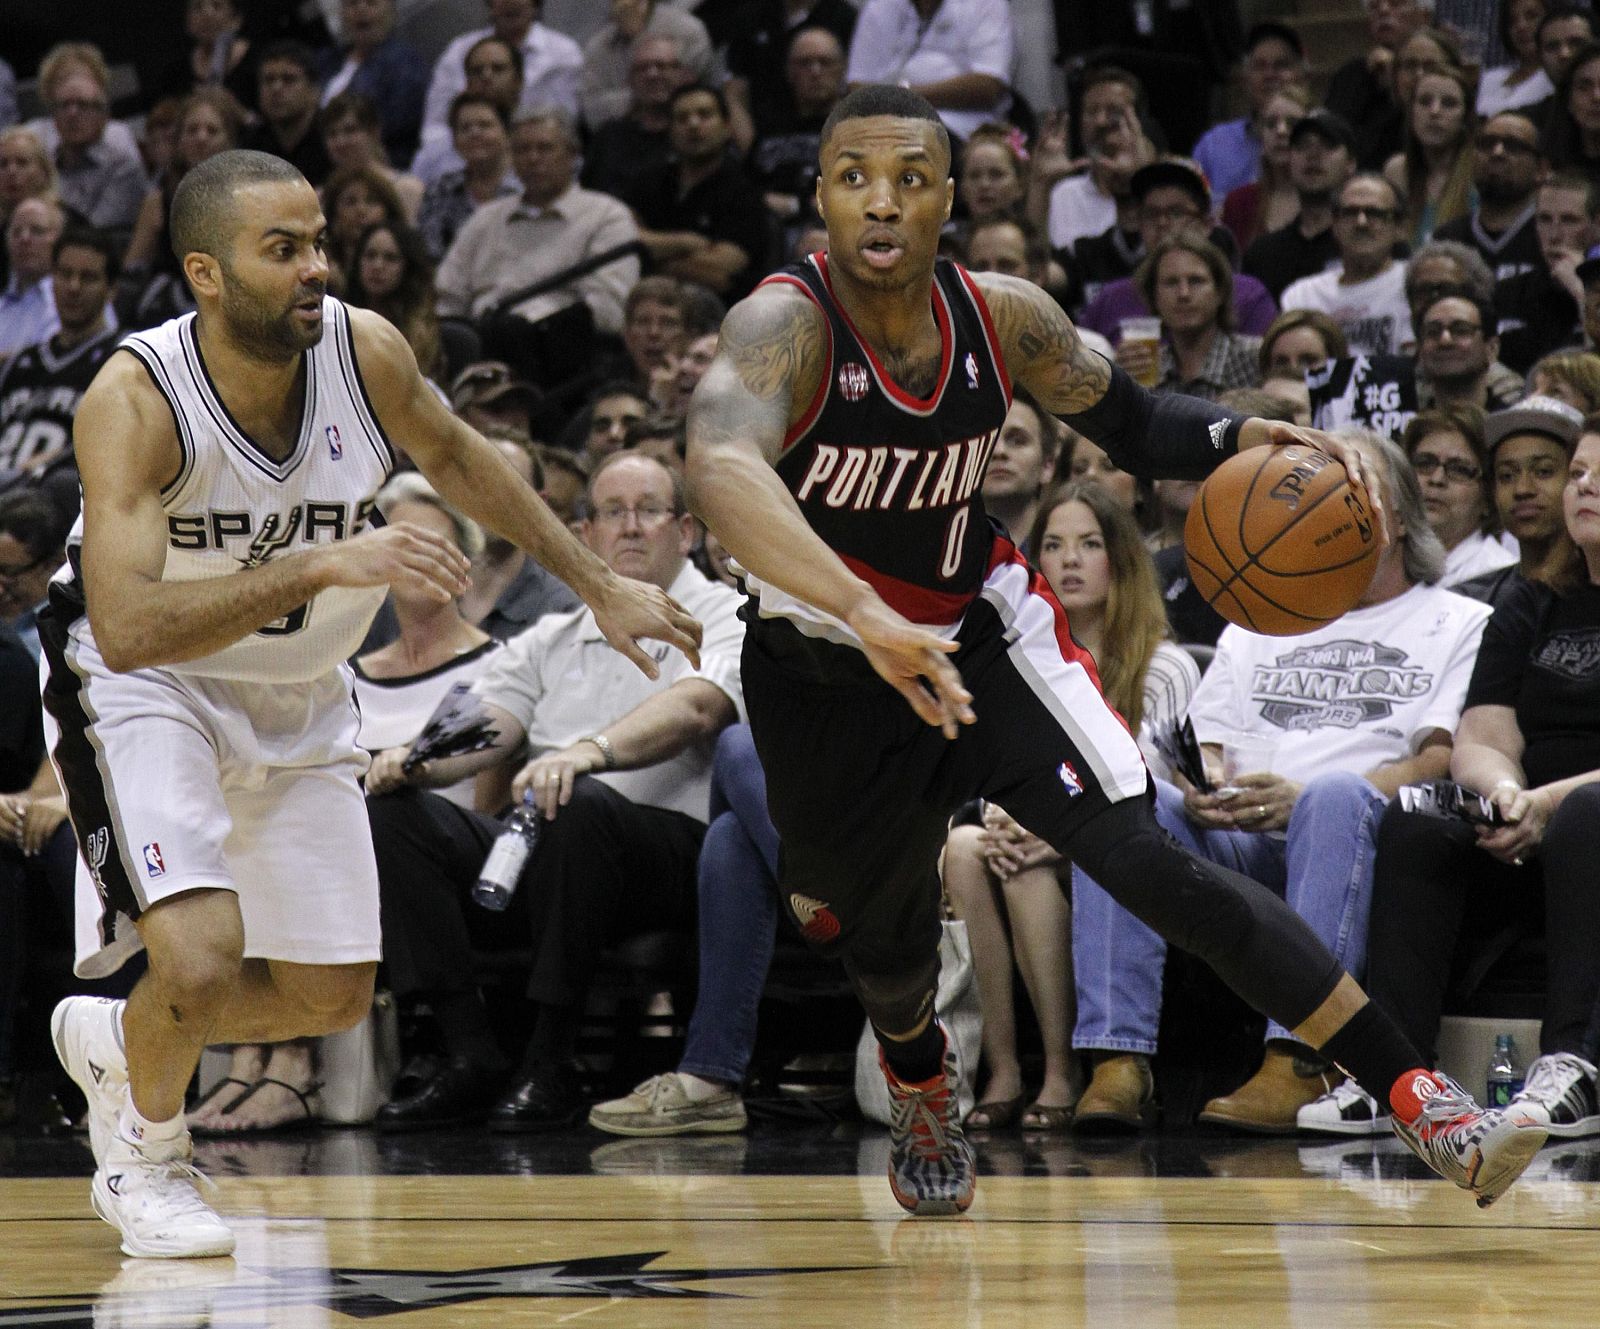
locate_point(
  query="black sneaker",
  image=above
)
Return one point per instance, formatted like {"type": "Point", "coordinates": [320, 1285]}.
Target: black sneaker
{"type": "Point", "coordinates": [1562, 1086]}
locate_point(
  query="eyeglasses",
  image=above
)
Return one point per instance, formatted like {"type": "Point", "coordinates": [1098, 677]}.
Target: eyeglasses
{"type": "Point", "coordinates": [1512, 147]}
{"type": "Point", "coordinates": [1460, 330]}
{"type": "Point", "coordinates": [1426, 465]}
{"type": "Point", "coordinates": [1353, 211]}
{"type": "Point", "coordinates": [11, 574]}
{"type": "Point", "coordinates": [647, 514]}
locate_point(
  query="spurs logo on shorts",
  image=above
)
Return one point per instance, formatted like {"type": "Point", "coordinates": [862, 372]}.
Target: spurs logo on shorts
{"type": "Point", "coordinates": [817, 921]}
{"type": "Point", "coordinates": [94, 853]}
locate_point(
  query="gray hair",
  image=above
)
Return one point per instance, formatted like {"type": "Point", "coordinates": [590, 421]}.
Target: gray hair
{"type": "Point", "coordinates": [410, 487]}
{"type": "Point", "coordinates": [1423, 552]}
{"type": "Point", "coordinates": [557, 119]}
{"type": "Point", "coordinates": [1479, 280]}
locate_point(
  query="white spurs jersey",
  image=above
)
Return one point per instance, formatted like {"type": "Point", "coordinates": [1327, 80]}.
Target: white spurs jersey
{"type": "Point", "coordinates": [233, 507]}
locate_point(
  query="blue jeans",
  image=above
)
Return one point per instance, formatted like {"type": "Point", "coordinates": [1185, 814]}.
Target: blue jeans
{"type": "Point", "coordinates": [1322, 866]}
{"type": "Point", "coordinates": [738, 896]}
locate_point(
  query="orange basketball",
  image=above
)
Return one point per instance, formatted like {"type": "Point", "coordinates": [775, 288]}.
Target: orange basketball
{"type": "Point", "coordinates": [1278, 541]}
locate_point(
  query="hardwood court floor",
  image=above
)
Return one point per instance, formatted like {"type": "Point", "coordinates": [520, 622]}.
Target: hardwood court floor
{"type": "Point", "coordinates": [794, 1226]}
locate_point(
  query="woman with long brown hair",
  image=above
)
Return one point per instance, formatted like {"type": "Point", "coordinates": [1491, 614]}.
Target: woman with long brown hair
{"type": "Point", "coordinates": [391, 274]}
{"type": "Point", "coordinates": [1002, 880]}
{"type": "Point", "coordinates": [1435, 168]}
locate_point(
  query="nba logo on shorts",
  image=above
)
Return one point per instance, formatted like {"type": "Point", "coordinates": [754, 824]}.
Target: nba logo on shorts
{"type": "Point", "coordinates": [972, 370]}
{"type": "Point", "coordinates": [853, 382]}
{"type": "Point", "coordinates": [1069, 777]}
{"type": "Point", "coordinates": [335, 447]}
{"type": "Point", "coordinates": [153, 866]}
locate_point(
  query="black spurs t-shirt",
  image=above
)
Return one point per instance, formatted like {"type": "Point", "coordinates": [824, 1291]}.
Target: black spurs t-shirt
{"type": "Point", "coordinates": [1540, 655]}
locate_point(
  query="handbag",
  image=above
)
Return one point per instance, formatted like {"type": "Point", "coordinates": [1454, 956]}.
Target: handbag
{"type": "Point", "coordinates": [360, 1065]}
{"type": "Point", "coordinates": [955, 1002]}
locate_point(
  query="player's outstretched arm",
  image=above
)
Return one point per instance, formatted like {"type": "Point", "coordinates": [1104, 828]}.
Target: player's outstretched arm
{"type": "Point", "coordinates": [771, 357]}
{"type": "Point", "coordinates": [471, 474]}
{"type": "Point", "coordinates": [127, 448]}
{"type": "Point", "coordinates": [1154, 437]}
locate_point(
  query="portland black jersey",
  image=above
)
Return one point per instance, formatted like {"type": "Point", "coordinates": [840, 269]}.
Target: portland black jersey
{"type": "Point", "coordinates": [889, 480]}
{"type": "Point", "coordinates": [40, 389]}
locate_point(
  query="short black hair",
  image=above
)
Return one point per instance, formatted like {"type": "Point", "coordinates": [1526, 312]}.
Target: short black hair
{"type": "Point", "coordinates": [289, 51]}
{"type": "Point", "coordinates": [462, 100]}
{"type": "Point", "coordinates": [90, 237]}
{"type": "Point", "coordinates": [202, 218]}
{"type": "Point", "coordinates": [690, 89]}
{"type": "Point", "coordinates": [885, 99]}
{"type": "Point", "coordinates": [1274, 30]}
{"type": "Point", "coordinates": [1554, 14]}
{"type": "Point", "coordinates": [33, 521]}
{"type": "Point", "coordinates": [1488, 316]}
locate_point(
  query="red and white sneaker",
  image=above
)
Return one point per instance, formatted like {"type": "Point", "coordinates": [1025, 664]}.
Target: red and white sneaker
{"type": "Point", "coordinates": [1482, 1150]}
{"type": "Point", "coordinates": [932, 1169]}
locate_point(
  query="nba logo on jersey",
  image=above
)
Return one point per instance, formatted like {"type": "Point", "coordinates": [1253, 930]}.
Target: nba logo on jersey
{"type": "Point", "coordinates": [972, 370]}
{"type": "Point", "coordinates": [1069, 777]}
{"type": "Point", "coordinates": [853, 382]}
{"type": "Point", "coordinates": [153, 866]}
{"type": "Point", "coordinates": [335, 447]}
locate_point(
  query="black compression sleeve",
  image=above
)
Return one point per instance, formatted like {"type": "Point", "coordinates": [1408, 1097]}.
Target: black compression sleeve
{"type": "Point", "coordinates": [1165, 437]}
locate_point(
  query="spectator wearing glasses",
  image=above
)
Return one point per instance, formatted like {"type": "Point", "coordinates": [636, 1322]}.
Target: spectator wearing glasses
{"type": "Point", "coordinates": [1522, 82]}
{"type": "Point", "coordinates": [620, 771]}
{"type": "Point", "coordinates": [1269, 202]}
{"type": "Point", "coordinates": [604, 91]}
{"type": "Point", "coordinates": [1365, 294]}
{"type": "Point", "coordinates": [1456, 356]}
{"type": "Point", "coordinates": [1541, 310]}
{"type": "Point", "coordinates": [101, 177]}
{"type": "Point", "coordinates": [1321, 158]}
{"type": "Point", "coordinates": [1506, 173]}
{"type": "Point", "coordinates": [1448, 453]}
{"type": "Point", "coordinates": [1231, 153]}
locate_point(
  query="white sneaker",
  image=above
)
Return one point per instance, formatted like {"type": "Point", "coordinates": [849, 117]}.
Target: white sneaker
{"type": "Point", "coordinates": [87, 1033]}
{"type": "Point", "coordinates": [155, 1204]}
{"type": "Point", "coordinates": [663, 1105]}
{"type": "Point", "coordinates": [1347, 1109]}
{"type": "Point", "coordinates": [1561, 1085]}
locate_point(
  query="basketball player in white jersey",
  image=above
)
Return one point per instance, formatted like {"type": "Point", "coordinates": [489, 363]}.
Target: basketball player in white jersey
{"type": "Point", "coordinates": [227, 562]}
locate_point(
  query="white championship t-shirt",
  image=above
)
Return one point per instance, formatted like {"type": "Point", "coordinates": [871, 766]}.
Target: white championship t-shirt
{"type": "Point", "coordinates": [1373, 314]}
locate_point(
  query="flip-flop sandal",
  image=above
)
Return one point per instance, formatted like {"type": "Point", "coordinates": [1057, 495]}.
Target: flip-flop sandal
{"type": "Point", "coordinates": [1042, 1117]}
{"type": "Point", "coordinates": [306, 1122]}
{"type": "Point", "coordinates": [996, 1115]}
{"type": "Point", "coordinates": [214, 1093]}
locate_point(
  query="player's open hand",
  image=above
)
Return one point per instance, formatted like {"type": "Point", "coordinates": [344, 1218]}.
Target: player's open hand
{"type": "Point", "coordinates": [1346, 453]}
{"type": "Point", "coordinates": [915, 662]}
{"type": "Point", "coordinates": [400, 554]}
{"type": "Point", "coordinates": [629, 611]}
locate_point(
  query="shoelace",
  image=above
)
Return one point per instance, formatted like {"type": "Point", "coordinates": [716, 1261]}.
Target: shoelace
{"type": "Point", "coordinates": [925, 1111]}
{"type": "Point", "coordinates": [1451, 1106]}
{"type": "Point", "coordinates": [1350, 1093]}
{"type": "Point", "coordinates": [1545, 1080]}
{"type": "Point", "coordinates": [660, 1086]}
{"type": "Point", "coordinates": [174, 1184]}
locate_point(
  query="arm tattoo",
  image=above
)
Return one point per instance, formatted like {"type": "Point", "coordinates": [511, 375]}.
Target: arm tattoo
{"type": "Point", "coordinates": [775, 345]}
{"type": "Point", "coordinates": [1042, 348]}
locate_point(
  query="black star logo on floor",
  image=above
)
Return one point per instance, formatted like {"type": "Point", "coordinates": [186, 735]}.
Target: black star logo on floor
{"type": "Point", "coordinates": [366, 1294]}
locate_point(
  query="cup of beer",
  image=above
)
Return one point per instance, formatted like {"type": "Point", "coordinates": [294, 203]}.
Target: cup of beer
{"type": "Point", "coordinates": [1143, 336]}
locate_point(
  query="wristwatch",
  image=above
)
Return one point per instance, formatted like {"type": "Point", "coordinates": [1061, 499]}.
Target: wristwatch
{"type": "Point", "coordinates": [606, 750]}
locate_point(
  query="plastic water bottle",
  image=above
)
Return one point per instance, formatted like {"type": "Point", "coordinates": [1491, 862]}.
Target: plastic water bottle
{"type": "Point", "coordinates": [1505, 1072]}
{"type": "Point", "coordinates": [497, 883]}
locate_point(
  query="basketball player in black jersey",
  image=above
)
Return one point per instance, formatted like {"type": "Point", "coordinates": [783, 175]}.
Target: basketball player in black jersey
{"type": "Point", "coordinates": [836, 447]}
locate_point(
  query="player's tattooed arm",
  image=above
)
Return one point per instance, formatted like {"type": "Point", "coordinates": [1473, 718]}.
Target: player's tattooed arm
{"type": "Point", "coordinates": [775, 344]}
{"type": "Point", "coordinates": [1041, 347]}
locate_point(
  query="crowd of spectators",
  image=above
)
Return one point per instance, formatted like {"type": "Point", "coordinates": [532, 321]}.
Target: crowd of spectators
{"type": "Point", "coordinates": [556, 221]}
